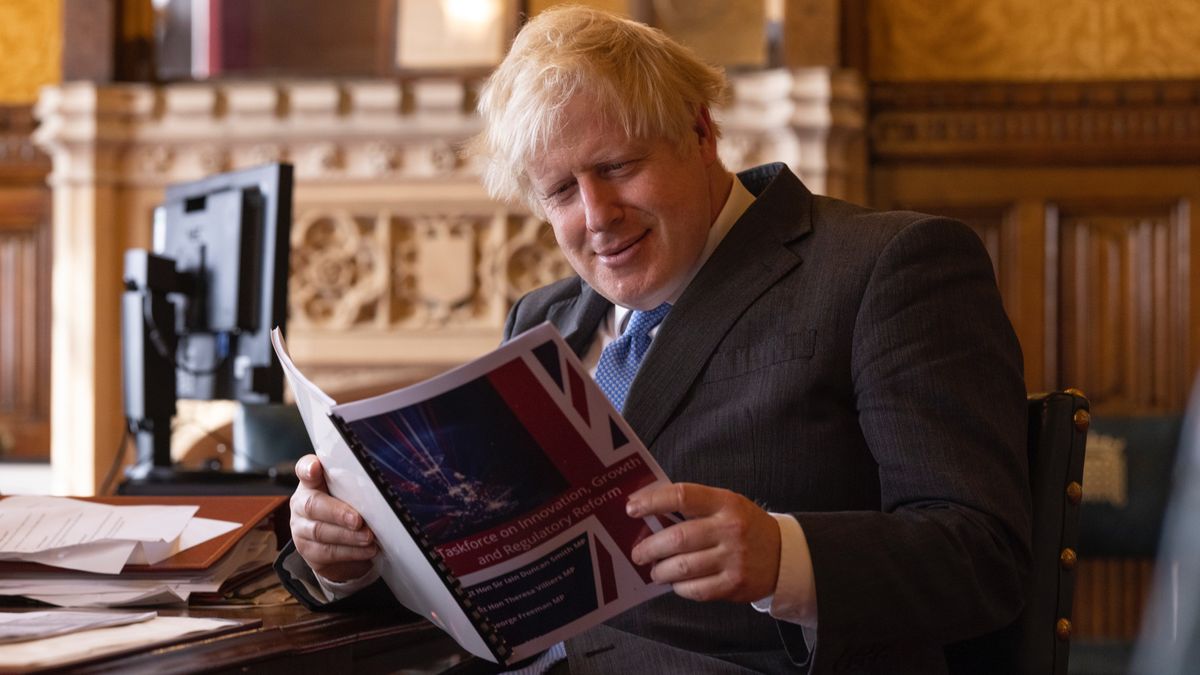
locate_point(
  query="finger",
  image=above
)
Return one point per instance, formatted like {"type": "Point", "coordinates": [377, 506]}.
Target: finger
{"type": "Point", "coordinates": [713, 587]}
{"type": "Point", "coordinates": [685, 537]}
{"type": "Point", "coordinates": [330, 533]}
{"type": "Point", "coordinates": [318, 555]}
{"type": "Point", "coordinates": [311, 473]}
{"type": "Point", "coordinates": [690, 499]}
{"type": "Point", "coordinates": [320, 506]}
{"type": "Point", "coordinates": [687, 566]}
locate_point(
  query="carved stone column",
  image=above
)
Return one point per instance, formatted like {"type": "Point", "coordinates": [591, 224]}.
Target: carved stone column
{"type": "Point", "coordinates": [83, 128]}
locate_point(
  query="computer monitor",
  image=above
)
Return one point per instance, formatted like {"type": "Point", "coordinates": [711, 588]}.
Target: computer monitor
{"type": "Point", "coordinates": [198, 309]}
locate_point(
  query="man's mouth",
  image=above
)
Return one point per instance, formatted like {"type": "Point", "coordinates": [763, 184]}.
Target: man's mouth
{"type": "Point", "coordinates": [614, 252]}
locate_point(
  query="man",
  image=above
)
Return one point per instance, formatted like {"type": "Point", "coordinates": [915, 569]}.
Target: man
{"type": "Point", "coordinates": [836, 392]}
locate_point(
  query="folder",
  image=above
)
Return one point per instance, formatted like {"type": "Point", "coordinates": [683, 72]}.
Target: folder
{"type": "Point", "coordinates": [249, 511]}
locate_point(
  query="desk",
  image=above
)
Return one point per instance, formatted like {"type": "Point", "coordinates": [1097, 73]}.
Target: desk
{"type": "Point", "coordinates": [293, 640]}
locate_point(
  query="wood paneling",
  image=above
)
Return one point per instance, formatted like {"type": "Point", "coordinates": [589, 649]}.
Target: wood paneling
{"type": "Point", "coordinates": [1124, 289]}
{"type": "Point", "coordinates": [1085, 195]}
{"type": "Point", "coordinates": [1110, 598]}
{"type": "Point", "coordinates": [24, 292]}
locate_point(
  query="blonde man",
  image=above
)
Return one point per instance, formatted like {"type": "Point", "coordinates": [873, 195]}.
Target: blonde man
{"type": "Point", "coordinates": [836, 392]}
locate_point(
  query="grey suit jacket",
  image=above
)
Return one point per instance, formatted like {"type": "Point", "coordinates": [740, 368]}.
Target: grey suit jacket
{"type": "Point", "coordinates": [855, 369]}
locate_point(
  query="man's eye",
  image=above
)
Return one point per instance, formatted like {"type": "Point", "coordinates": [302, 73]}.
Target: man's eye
{"type": "Point", "coordinates": [614, 167]}
{"type": "Point", "coordinates": [560, 191]}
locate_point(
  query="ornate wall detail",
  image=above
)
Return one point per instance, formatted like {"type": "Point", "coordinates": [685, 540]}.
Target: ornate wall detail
{"type": "Point", "coordinates": [1063, 123]}
{"type": "Point", "coordinates": [446, 269]}
{"type": "Point", "coordinates": [529, 257]}
{"type": "Point", "coordinates": [1033, 40]}
{"type": "Point", "coordinates": [339, 270]}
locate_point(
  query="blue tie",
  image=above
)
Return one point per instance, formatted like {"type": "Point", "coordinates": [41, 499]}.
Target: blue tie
{"type": "Point", "coordinates": [621, 358]}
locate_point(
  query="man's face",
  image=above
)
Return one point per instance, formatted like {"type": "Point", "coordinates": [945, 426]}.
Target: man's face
{"type": "Point", "coordinates": [631, 215]}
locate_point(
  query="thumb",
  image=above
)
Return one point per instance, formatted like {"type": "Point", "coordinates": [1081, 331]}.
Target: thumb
{"type": "Point", "coordinates": [310, 472]}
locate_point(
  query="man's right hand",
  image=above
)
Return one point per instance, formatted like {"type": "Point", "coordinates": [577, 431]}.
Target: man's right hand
{"type": "Point", "coordinates": [329, 534]}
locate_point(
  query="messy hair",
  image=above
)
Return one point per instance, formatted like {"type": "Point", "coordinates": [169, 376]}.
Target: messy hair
{"type": "Point", "coordinates": [634, 75]}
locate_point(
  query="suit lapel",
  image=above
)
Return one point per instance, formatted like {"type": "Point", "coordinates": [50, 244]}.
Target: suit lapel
{"type": "Point", "coordinates": [751, 259]}
{"type": "Point", "coordinates": [578, 317]}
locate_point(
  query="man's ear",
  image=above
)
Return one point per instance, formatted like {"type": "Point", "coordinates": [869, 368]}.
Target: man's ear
{"type": "Point", "coordinates": [706, 135]}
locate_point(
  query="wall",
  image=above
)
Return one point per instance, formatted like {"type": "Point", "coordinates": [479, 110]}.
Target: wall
{"type": "Point", "coordinates": [914, 40]}
{"type": "Point", "coordinates": [30, 48]}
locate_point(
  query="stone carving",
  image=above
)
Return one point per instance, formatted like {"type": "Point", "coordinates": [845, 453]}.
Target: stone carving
{"type": "Point", "coordinates": [530, 257]}
{"type": "Point", "coordinates": [445, 268]}
{"type": "Point", "coordinates": [339, 274]}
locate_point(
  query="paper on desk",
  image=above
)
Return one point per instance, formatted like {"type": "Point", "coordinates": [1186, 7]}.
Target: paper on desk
{"type": "Point", "coordinates": [64, 649]}
{"type": "Point", "coordinates": [24, 626]}
{"type": "Point", "coordinates": [30, 523]}
{"type": "Point", "coordinates": [91, 537]}
{"type": "Point", "coordinates": [255, 550]}
{"type": "Point", "coordinates": [197, 531]}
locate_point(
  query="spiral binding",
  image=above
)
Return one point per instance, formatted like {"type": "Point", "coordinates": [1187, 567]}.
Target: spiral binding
{"type": "Point", "coordinates": [496, 642]}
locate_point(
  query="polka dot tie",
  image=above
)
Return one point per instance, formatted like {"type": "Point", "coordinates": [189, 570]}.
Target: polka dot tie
{"type": "Point", "coordinates": [621, 358]}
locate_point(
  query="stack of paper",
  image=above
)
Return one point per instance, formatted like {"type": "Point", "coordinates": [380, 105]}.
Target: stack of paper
{"type": "Point", "coordinates": [93, 643]}
{"type": "Point", "coordinates": [90, 554]}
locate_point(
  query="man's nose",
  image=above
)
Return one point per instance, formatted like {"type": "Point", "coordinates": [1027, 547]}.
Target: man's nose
{"type": "Point", "coordinates": [600, 204]}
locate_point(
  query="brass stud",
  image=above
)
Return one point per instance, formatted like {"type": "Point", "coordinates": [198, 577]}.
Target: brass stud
{"type": "Point", "coordinates": [1082, 419]}
{"type": "Point", "coordinates": [1074, 492]}
{"type": "Point", "coordinates": [1067, 559]}
{"type": "Point", "coordinates": [1063, 629]}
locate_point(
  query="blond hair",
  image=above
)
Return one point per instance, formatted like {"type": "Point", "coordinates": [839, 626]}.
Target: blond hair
{"type": "Point", "coordinates": [635, 75]}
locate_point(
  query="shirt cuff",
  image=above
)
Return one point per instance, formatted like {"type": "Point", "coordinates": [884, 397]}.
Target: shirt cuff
{"type": "Point", "coordinates": [795, 597]}
{"type": "Point", "coordinates": [336, 590]}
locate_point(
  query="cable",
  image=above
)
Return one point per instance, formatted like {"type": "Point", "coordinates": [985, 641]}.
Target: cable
{"type": "Point", "coordinates": [161, 347]}
{"type": "Point", "coordinates": [122, 450]}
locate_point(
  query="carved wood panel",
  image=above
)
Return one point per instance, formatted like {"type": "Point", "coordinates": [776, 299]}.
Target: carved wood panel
{"type": "Point", "coordinates": [1097, 269]}
{"type": "Point", "coordinates": [1124, 299]}
{"type": "Point", "coordinates": [1085, 194]}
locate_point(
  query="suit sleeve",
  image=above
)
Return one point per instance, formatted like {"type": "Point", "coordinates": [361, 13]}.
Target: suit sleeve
{"type": "Point", "coordinates": [937, 376]}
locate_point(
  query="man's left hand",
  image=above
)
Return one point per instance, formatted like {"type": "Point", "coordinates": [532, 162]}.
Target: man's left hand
{"type": "Point", "coordinates": [728, 549]}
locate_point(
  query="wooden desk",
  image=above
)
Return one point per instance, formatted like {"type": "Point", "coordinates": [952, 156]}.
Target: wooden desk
{"type": "Point", "coordinates": [293, 640]}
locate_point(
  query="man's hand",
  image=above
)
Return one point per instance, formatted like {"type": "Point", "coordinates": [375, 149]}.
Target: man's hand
{"type": "Point", "coordinates": [329, 534]}
{"type": "Point", "coordinates": [728, 549]}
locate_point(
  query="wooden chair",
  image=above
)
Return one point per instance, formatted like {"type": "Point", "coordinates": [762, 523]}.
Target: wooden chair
{"type": "Point", "coordinates": [1039, 641]}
